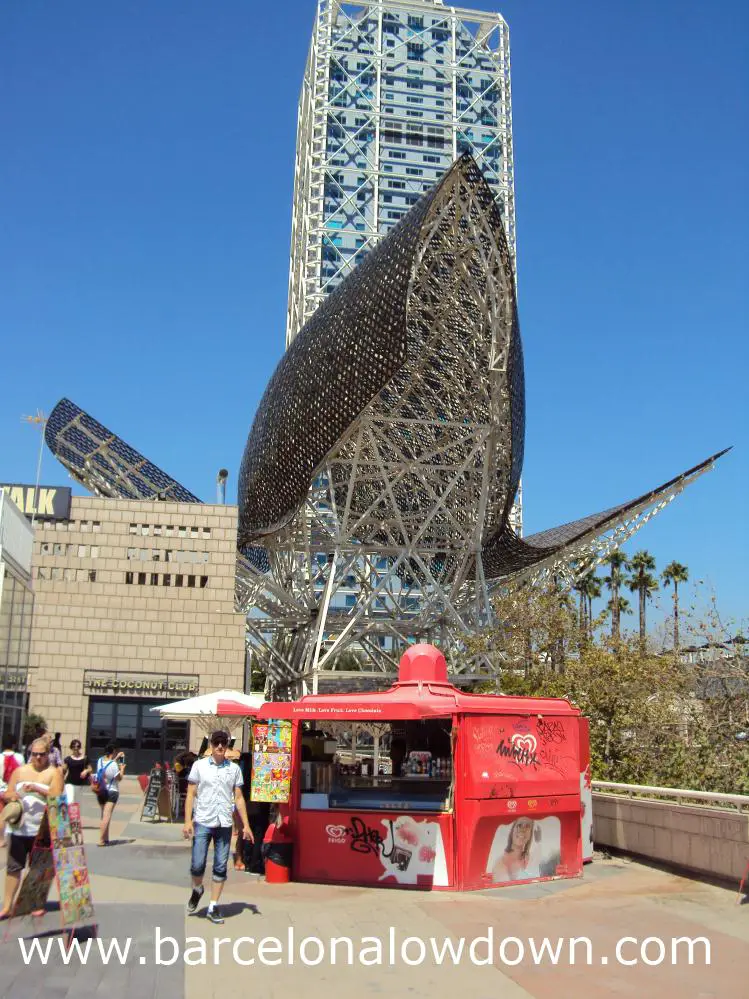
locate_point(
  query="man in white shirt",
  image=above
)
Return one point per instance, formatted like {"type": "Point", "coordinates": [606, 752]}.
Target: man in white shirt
{"type": "Point", "coordinates": [214, 789]}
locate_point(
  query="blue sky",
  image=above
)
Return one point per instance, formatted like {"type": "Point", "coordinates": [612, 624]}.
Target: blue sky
{"type": "Point", "coordinates": [145, 203]}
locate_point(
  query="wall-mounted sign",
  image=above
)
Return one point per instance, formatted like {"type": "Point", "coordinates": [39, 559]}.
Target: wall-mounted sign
{"type": "Point", "coordinates": [44, 502]}
{"type": "Point", "coordinates": [13, 679]}
{"type": "Point", "coordinates": [140, 684]}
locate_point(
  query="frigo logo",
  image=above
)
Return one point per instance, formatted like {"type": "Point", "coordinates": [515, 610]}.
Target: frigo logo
{"type": "Point", "coordinates": [336, 834]}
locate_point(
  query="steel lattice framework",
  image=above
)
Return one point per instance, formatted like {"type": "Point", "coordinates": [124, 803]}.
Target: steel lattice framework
{"type": "Point", "coordinates": [102, 462]}
{"type": "Point", "coordinates": [393, 92]}
{"type": "Point", "coordinates": [391, 479]}
{"type": "Point", "coordinates": [393, 475]}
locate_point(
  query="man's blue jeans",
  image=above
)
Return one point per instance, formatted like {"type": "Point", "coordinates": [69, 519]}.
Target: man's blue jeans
{"type": "Point", "coordinates": [202, 836]}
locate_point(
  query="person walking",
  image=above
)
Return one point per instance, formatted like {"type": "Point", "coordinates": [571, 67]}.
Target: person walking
{"type": "Point", "coordinates": [10, 760]}
{"type": "Point", "coordinates": [214, 790]}
{"type": "Point", "coordinates": [55, 750]}
{"type": "Point", "coordinates": [110, 769]}
{"type": "Point", "coordinates": [30, 784]}
{"type": "Point", "coordinates": [76, 770]}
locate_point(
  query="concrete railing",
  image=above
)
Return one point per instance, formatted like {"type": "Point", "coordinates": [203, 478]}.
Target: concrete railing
{"type": "Point", "coordinates": [699, 830]}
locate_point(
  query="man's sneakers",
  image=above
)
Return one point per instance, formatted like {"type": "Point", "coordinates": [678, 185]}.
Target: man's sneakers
{"type": "Point", "coordinates": [195, 897]}
{"type": "Point", "coordinates": [213, 913]}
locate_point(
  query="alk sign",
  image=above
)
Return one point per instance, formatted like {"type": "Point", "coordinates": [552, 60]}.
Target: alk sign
{"type": "Point", "coordinates": [43, 502]}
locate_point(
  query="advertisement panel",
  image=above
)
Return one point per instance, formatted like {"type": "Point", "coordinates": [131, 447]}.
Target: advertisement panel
{"type": "Point", "coordinates": [519, 839]}
{"type": "Point", "coordinates": [58, 853]}
{"type": "Point", "coordinates": [76, 903]}
{"type": "Point", "coordinates": [375, 848]}
{"type": "Point", "coordinates": [271, 761]}
{"type": "Point", "coordinates": [41, 502]}
{"type": "Point", "coordinates": [513, 756]}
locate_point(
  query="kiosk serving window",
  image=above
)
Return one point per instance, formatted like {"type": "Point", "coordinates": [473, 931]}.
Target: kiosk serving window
{"type": "Point", "coordinates": [388, 766]}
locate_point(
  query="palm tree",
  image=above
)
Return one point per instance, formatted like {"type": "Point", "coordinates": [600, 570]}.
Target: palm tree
{"type": "Point", "coordinates": [675, 573]}
{"type": "Point", "coordinates": [594, 592]}
{"type": "Point", "coordinates": [617, 563]}
{"type": "Point", "coordinates": [588, 588]}
{"type": "Point", "coordinates": [623, 605]}
{"type": "Point", "coordinates": [582, 606]}
{"type": "Point", "coordinates": [643, 583]}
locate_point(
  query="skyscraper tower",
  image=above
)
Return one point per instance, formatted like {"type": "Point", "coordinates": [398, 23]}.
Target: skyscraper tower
{"type": "Point", "coordinates": [393, 92]}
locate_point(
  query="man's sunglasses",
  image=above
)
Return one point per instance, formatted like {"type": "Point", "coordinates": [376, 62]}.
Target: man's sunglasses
{"type": "Point", "coordinates": [45, 753]}
{"type": "Point", "coordinates": [219, 745]}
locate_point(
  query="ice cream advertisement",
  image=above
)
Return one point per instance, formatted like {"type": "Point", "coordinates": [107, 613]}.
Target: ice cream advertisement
{"type": "Point", "coordinates": [525, 848]}
{"type": "Point", "coordinates": [389, 849]}
{"type": "Point", "coordinates": [412, 849]}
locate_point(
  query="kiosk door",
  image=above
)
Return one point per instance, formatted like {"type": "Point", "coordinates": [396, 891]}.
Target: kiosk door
{"type": "Point", "coordinates": [510, 756]}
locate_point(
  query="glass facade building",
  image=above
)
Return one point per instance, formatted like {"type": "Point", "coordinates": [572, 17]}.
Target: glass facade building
{"type": "Point", "coordinates": [393, 93]}
{"type": "Point", "coordinates": [16, 609]}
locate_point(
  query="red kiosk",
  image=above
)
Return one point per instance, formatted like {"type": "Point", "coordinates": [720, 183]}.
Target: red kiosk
{"type": "Point", "coordinates": [483, 790]}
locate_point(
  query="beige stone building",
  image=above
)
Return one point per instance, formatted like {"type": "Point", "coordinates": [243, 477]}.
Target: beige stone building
{"type": "Point", "coordinates": [134, 605]}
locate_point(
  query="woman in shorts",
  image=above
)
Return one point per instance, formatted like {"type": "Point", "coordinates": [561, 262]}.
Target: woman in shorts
{"type": "Point", "coordinates": [110, 769]}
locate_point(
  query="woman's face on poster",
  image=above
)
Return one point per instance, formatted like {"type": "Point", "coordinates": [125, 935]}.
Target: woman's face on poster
{"type": "Point", "coordinates": [521, 835]}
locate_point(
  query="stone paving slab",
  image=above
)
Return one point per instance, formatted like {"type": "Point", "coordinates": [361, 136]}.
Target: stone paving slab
{"type": "Point", "coordinates": [137, 977]}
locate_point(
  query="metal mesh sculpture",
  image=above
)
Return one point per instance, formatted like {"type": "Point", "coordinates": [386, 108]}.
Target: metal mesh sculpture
{"type": "Point", "coordinates": [102, 462]}
{"type": "Point", "coordinates": [376, 486]}
{"type": "Point", "coordinates": [387, 450]}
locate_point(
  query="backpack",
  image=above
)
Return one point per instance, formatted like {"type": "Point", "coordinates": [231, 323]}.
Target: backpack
{"type": "Point", "coordinates": [10, 764]}
{"type": "Point", "coordinates": [99, 782]}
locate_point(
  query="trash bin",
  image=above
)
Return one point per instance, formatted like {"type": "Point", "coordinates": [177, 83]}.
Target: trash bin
{"type": "Point", "coordinates": [278, 863]}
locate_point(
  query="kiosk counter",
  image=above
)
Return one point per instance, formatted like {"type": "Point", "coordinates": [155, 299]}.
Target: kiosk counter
{"type": "Point", "coordinates": [425, 786]}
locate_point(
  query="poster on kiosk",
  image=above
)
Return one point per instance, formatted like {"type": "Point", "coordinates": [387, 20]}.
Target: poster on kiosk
{"type": "Point", "coordinates": [521, 814]}
{"type": "Point", "coordinates": [425, 786]}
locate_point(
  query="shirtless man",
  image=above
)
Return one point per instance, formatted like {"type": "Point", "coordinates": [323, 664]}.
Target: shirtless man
{"type": "Point", "coordinates": [31, 784]}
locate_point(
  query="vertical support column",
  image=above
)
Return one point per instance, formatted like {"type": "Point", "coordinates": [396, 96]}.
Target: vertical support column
{"type": "Point", "coordinates": [454, 73]}
{"type": "Point", "coordinates": [379, 56]}
{"type": "Point", "coordinates": [321, 622]}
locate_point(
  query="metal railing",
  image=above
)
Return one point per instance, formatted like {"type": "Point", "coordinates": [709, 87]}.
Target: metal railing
{"type": "Point", "coordinates": [737, 802]}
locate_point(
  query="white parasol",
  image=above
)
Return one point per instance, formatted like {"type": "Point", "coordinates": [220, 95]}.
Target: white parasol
{"type": "Point", "coordinates": [203, 709]}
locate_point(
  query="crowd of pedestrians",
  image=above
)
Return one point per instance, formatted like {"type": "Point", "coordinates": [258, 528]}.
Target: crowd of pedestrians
{"type": "Point", "coordinates": [27, 781]}
{"type": "Point", "coordinates": [217, 804]}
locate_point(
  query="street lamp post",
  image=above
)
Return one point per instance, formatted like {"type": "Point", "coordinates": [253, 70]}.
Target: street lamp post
{"type": "Point", "coordinates": [40, 419]}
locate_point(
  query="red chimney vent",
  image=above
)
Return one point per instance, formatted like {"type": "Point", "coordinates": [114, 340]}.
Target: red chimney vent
{"type": "Point", "coordinates": [422, 662]}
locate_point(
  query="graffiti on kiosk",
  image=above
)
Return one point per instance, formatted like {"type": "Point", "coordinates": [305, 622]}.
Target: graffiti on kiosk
{"type": "Point", "coordinates": [405, 848]}
{"type": "Point", "coordinates": [551, 730]}
{"type": "Point", "coordinates": [521, 749]}
{"type": "Point", "coordinates": [521, 726]}
{"type": "Point", "coordinates": [365, 839]}
{"type": "Point", "coordinates": [484, 737]}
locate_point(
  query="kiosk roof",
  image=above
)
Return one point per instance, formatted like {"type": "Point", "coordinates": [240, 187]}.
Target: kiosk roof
{"type": "Point", "coordinates": [422, 691]}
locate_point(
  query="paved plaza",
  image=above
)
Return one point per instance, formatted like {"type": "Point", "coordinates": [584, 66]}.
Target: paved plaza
{"type": "Point", "coordinates": [141, 883]}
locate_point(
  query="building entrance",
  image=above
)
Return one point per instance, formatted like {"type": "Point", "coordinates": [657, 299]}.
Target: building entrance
{"type": "Point", "coordinates": [129, 723]}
